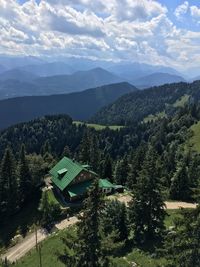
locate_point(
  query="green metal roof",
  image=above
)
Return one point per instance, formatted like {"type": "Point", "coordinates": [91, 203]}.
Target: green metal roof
{"type": "Point", "coordinates": [73, 169]}
{"type": "Point", "coordinates": [104, 183]}
{"type": "Point", "coordinates": [81, 188]}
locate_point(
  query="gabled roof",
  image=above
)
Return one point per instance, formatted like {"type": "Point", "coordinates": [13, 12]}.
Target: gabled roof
{"type": "Point", "coordinates": [81, 188]}
{"type": "Point", "coordinates": [65, 171]}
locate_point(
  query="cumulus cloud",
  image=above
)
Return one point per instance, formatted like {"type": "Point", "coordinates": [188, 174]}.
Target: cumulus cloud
{"type": "Point", "coordinates": [195, 11]}
{"type": "Point", "coordinates": [181, 10]}
{"type": "Point", "coordinates": [114, 30]}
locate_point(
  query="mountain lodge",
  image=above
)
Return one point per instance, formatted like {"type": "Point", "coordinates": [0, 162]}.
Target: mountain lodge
{"type": "Point", "coordinates": [72, 179]}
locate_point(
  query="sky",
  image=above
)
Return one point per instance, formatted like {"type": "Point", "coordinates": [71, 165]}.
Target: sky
{"type": "Point", "coordinates": [164, 32]}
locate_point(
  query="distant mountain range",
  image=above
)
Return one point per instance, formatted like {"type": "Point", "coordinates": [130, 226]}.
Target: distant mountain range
{"type": "Point", "coordinates": [15, 83]}
{"type": "Point", "coordinates": [135, 70]}
{"type": "Point", "coordinates": [157, 79]}
{"type": "Point", "coordinates": [49, 69]}
{"type": "Point", "coordinates": [17, 74]}
{"type": "Point", "coordinates": [27, 76]}
{"type": "Point", "coordinates": [80, 105]}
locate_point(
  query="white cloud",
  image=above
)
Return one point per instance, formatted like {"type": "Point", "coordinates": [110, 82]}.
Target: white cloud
{"type": "Point", "coordinates": [114, 30]}
{"type": "Point", "coordinates": [181, 10]}
{"type": "Point", "coordinates": [195, 11]}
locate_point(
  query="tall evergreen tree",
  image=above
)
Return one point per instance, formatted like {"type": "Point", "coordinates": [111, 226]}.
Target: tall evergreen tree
{"type": "Point", "coordinates": [107, 168]}
{"type": "Point", "coordinates": [84, 151]}
{"type": "Point", "coordinates": [121, 171]}
{"type": "Point", "coordinates": [45, 209]}
{"type": "Point", "coordinates": [25, 179]}
{"type": "Point", "coordinates": [9, 180]}
{"type": "Point", "coordinates": [89, 249]}
{"type": "Point", "coordinates": [147, 207]}
{"type": "Point", "coordinates": [94, 153]}
{"type": "Point", "coordinates": [114, 219]}
{"type": "Point", "coordinates": [66, 152]}
{"type": "Point", "coordinates": [180, 185]}
{"type": "Point", "coordinates": [183, 244]}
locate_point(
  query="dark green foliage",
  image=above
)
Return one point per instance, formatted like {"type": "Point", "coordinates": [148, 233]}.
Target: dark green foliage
{"type": "Point", "coordinates": [9, 196]}
{"type": "Point", "coordinates": [106, 166]}
{"type": "Point", "coordinates": [114, 219]}
{"type": "Point", "coordinates": [85, 250]}
{"type": "Point", "coordinates": [66, 152]}
{"type": "Point", "coordinates": [147, 207]}
{"type": "Point", "coordinates": [183, 244]}
{"type": "Point", "coordinates": [134, 107]}
{"type": "Point", "coordinates": [180, 184]}
{"type": "Point", "coordinates": [80, 105]}
{"type": "Point", "coordinates": [89, 229]}
{"type": "Point", "coordinates": [121, 171]}
{"type": "Point", "coordinates": [25, 179]}
{"type": "Point", "coordinates": [49, 211]}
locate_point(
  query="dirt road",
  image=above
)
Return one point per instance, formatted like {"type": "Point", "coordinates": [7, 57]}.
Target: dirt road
{"type": "Point", "coordinates": [18, 251]}
{"type": "Point", "coordinates": [23, 247]}
{"type": "Point", "coordinates": [28, 243]}
{"type": "Point", "coordinates": [169, 205]}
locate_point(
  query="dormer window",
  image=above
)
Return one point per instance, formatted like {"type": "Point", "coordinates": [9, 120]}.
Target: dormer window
{"type": "Point", "coordinates": [61, 173]}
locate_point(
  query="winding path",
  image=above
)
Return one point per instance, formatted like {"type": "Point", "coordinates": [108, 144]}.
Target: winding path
{"type": "Point", "coordinates": [19, 250]}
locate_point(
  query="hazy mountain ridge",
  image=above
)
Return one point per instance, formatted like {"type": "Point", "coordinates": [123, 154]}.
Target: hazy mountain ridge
{"type": "Point", "coordinates": [157, 79]}
{"type": "Point", "coordinates": [60, 84]}
{"type": "Point", "coordinates": [80, 105]}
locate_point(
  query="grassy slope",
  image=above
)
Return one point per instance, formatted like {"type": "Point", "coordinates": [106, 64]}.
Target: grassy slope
{"type": "Point", "coordinates": [53, 244]}
{"type": "Point", "coordinates": [181, 102]}
{"type": "Point", "coordinates": [194, 141]}
{"type": "Point", "coordinates": [98, 127]}
{"type": "Point", "coordinates": [155, 117]}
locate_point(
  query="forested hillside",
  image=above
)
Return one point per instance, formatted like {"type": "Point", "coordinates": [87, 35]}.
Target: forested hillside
{"type": "Point", "coordinates": [136, 106]}
{"type": "Point", "coordinates": [80, 105]}
{"type": "Point", "coordinates": [128, 156]}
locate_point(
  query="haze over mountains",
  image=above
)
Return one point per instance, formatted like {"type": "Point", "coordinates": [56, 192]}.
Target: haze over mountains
{"type": "Point", "coordinates": [15, 83]}
{"type": "Point", "coordinates": [80, 105]}
{"type": "Point", "coordinates": [27, 76]}
{"type": "Point", "coordinates": [157, 79]}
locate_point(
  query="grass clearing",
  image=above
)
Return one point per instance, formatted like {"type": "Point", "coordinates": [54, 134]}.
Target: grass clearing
{"type": "Point", "coordinates": [194, 141]}
{"type": "Point", "coordinates": [98, 127]}
{"type": "Point", "coordinates": [155, 117]}
{"type": "Point", "coordinates": [181, 102]}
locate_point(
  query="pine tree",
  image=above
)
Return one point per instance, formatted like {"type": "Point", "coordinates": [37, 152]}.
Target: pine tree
{"type": "Point", "coordinates": [94, 153]}
{"type": "Point", "coordinates": [45, 209]}
{"type": "Point", "coordinates": [89, 249]}
{"type": "Point", "coordinates": [114, 219]}
{"type": "Point", "coordinates": [121, 171]}
{"type": "Point", "coordinates": [180, 185]}
{"type": "Point", "coordinates": [84, 151]}
{"type": "Point", "coordinates": [25, 179]}
{"type": "Point", "coordinates": [183, 244]}
{"type": "Point", "coordinates": [136, 164]}
{"type": "Point", "coordinates": [46, 148]}
{"type": "Point", "coordinates": [118, 174]}
{"type": "Point", "coordinates": [66, 152]}
{"type": "Point", "coordinates": [9, 180]}
{"type": "Point", "coordinates": [107, 168]}
{"type": "Point", "coordinates": [147, 207]}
